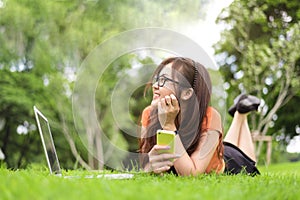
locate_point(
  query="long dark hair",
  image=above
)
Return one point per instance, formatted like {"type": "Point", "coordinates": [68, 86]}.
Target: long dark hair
{"type": "Point", "coordinates": [189, 121]}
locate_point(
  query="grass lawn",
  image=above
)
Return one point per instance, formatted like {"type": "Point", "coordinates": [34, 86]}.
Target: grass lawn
{"type": "Point", "coordinates": [281, 181]}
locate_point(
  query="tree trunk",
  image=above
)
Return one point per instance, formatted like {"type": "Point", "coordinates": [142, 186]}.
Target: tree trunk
{"type": "Point", "coordinates": [72, 145]}
{"type": "Point", "coordinates": [263, 126]}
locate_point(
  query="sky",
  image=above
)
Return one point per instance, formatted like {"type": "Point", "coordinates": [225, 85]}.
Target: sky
{"type": "Point", "coordinates": [212, 31]}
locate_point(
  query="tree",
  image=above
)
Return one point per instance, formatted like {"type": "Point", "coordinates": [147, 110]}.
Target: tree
{"type": "Point", "coordinates": [43, 44]}
{"type": "Point", "coordinates": [35, 56]}
{"type": "Point", "coordinates": [257, 55]}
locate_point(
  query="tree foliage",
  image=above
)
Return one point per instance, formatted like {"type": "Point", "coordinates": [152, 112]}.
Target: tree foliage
{"type": "Point", "coordinates": [43, 44]}
{"type": "Point", "coordinates": [258, 55]}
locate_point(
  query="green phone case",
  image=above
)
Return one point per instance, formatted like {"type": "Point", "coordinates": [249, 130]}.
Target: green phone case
{"type": "Point", "coordinates": [167, 138]}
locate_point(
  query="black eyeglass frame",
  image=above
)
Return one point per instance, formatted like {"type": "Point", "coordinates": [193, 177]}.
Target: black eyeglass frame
{"type": "Point", "coordinates": [156, 79]}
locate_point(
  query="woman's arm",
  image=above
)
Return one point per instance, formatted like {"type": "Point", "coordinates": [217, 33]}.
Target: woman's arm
{"type": "Point", "coordinates": [199, 160]}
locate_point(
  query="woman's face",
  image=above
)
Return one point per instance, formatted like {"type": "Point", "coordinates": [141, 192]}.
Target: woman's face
{"type": "Point", "coordinates": [167, 89]}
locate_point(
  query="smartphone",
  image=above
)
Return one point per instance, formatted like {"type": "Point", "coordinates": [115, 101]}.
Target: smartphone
{"type": "Point", "coordinates": [166, 138]}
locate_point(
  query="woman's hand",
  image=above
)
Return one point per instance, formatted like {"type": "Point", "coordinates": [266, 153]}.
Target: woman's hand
{"type": "Point", "coordinates": [160, 162]}
{"type": "Point", "coordinates": [168, 109]}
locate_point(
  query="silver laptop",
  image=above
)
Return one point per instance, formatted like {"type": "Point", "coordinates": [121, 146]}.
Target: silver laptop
{"type": "Point", "coordinates": [51, 155]}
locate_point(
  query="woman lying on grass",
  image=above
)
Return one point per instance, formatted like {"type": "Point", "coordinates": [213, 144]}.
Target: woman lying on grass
{"type": "Point", "coordinates": [181, 96]}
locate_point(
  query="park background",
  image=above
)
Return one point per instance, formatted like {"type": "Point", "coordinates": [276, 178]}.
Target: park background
{"type": "Point", "coordinates": [43, 44]}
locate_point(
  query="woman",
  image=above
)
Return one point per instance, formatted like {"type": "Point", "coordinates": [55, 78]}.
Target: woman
{"type": "Point", "coordinates": [181, 96]}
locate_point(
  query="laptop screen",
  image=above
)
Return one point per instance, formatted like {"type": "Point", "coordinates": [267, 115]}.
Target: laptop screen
{"type": "Point", "coordinates": [47, 141]}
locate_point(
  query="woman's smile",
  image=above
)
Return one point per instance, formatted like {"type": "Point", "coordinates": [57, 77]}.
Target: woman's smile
{"type": "Point", "coordinates": [156, 95]}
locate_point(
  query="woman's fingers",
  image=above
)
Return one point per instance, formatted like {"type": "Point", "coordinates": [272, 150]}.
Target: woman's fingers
{"type": "Point", "coordinates": [161, 170]}
{"type": "Point", "coordinates": [156, 148]}
{"type": "Point", "coordinates": [158, 164]}
{"type": "Point", "coordinates": [168, 109]}
{"type": "Point", "coordinates": [168, 101]}
{"type": "Point", "coordinates": [168, 104]}
{"type": "Point", "coordinates": [161, 162]}
{"type": "Point", "coordinates": [160, 147]}
{"type": "Point", "coordinates": [162, 105]}
{"type": "Point", "coordinates": [162, 157]}
{"type": "Point", "coordinates": [174, 101]}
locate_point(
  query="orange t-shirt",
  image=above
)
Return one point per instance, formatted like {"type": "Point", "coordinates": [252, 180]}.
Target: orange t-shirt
{"type": "Point", "coordinates": [216, 163]}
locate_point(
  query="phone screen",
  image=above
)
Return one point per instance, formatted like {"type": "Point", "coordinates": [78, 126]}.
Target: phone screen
{"type": "Point", "coordinates": [166, 138]}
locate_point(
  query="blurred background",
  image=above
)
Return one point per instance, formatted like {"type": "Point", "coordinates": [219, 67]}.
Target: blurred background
{"type": "Point", "coordinates": [255, 44]}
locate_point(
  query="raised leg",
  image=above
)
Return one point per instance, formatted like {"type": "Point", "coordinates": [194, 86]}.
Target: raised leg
{"type": "Point", "coordinates": [233, 133]}
{"type": "Point", "coordinates": [239, 134]}
{"type": "Point", "coordinates": [245, 140]}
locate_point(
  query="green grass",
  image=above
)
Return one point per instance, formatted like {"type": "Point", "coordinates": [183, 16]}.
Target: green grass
{"type": "Point", "coordinates": [280, 181]}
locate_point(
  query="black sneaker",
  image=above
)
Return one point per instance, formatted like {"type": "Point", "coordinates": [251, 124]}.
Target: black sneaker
{"type": "Point", "coordinates": [248, 104]}
{"type": "Point", "coordinates": [233, 108]}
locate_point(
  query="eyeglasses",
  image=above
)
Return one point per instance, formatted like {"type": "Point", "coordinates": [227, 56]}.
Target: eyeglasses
{"type": "Point", "coordinates": [161, 80]}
